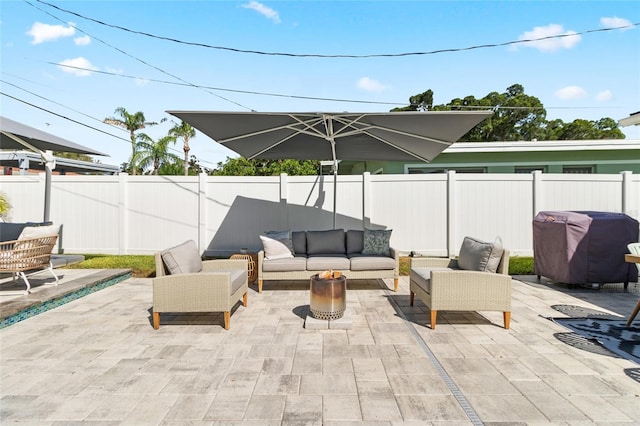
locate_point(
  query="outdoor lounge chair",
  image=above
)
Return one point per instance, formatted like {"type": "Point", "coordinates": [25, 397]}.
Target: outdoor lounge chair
{"type": "Point", "coordinates": [31, 251]}
{"type": "Point", "coordinates": [462, 285]}
{"type": "Point", "coordinates": [185, 283]}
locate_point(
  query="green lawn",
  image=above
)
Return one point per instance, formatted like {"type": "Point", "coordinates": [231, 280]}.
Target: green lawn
{"type": "Point", "coordinates": [143, 266]}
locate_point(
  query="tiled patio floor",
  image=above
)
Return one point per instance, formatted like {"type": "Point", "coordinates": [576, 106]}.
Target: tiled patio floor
{"type": "Point", "coordinates": [97, 359]}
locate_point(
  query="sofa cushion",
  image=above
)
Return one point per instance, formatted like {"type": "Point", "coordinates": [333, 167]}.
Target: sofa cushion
{"type": "Point", "coordinates": [182, 259]}
{"type": "Point", "coordinates": [376, 242]}
{"type": "Point", "coordinates": [10, 231]}
{"type": "Point", "coordinates": [299, 239]}
{"type": "Point", "coordinates": [355, 241]}
{"type": "Point", "coordinates": [324, 263]}
{"type": "Point", "coordinates": [297, 263]}
{"type": "Point", "coordinates": [476, 255]}
{"type": "Point", "coordinates": [325, 242]}
{"type": "Point", "coordinates": [368, 263]}
{"type": "Point", "coordinates": [277, 244]}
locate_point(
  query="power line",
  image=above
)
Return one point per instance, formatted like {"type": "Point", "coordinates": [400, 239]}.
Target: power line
{"type": "Point", "coordinates": [134, 57]}
{"type": "Point", "coordinates": [249, 92]}
{"type": "Point", "coordinates": [315, 55]}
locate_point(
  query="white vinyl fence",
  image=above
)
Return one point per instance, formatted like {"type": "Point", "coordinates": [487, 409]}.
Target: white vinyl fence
{"type": "Point", "coordinates": [429, 214]}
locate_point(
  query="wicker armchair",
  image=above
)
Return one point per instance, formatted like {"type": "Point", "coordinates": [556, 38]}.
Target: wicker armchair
{"type": "Point", "coordinates": [217, 288]}
{"type": "Point", "coordinates": [442, 286]}
{"type": "Point", "coordinates": [27, 254]}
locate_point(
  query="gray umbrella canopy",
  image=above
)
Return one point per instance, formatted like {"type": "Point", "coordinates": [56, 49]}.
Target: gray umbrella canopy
{"type": "Point", "coordinates": [384, 136]}
{"type": "Point", "coordinates": [13, 135]}
{"type": "Point", "coordinates": [395, 136]}
{"type": "Point", "coordinates": [18, 136]}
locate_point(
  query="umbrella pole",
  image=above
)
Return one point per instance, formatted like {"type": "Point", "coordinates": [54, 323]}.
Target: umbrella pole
{"type": "Point", "coordinates": [335, 190]}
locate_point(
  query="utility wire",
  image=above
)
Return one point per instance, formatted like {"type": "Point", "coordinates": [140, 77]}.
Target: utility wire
{"type": "Point", "coordinates": [225, 90]}
{"type": "Point", "coordinates": [315, 55]}
{"type": "Point", "coordinates": [79, 112]}
{"type": "Point", "coordinates": [134, 57]}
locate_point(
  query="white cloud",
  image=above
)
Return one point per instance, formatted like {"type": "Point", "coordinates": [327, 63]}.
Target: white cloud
{"type": "Point", "coordinates": [114, 70]}
{"type": "Point", "coordinates": [561, 39]}
{"type": "Point", "coordinates": [44, 32]}
{"type": "Point", "coordinates": [82, 41]}
{"type": "Point", "coordinates": [370, 85]}
{"type": "Point", "coordinates": [570, 92]}
{"type": "Point", "coordinates": [82, 66]}
{"type": "Point", "coordinates": [615, 22]}
{"type": "Point", "coordinates": [604, 96]}
{"type": "Point", "coordinates": [141, 82]}
{"type": "Point", "coordinates": [263, 10]}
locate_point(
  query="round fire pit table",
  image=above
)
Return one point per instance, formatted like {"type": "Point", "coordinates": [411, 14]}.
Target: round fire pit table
{"type": "Point", "coordinates": [328, 298]}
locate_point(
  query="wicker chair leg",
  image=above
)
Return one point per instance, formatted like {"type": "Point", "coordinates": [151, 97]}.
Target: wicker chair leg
{"type": "Point", "coordinates": [507, 319]}
{"type": "Point", "coordinates": [244, 300]}
{"type": "Point", "coordinates": [26, 282]}
{"type": "Point", "coordinates": [434, 315]}
{"type": "Point", "coordinates": [412, 296]}
{"type": "Point", "coordinates": [156, 320]}
{"type": "Point", "coordinates": [259, 286]}
{"type": "Point", "coordinates": [395, 284]}
{"type": "Point", "coordinates": [227, 319]}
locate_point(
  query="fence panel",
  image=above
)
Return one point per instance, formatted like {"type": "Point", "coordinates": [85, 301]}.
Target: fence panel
{"type": "Point", "coordinates": [429, 214]}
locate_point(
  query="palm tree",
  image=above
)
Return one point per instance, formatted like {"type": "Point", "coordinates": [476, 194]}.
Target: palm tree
{"type": "Point", "coordinates": [132, 123]}
{"type": "Point", "coordinates": [186, 132]}
{"type": "Point", "coordinates": [153, 153]}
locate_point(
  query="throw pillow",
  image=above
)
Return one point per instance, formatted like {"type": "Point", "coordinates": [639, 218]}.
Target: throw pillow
{"type": "Point", "coordinates": [182, 259]}
{"type": "Point", "coordinates": [277, 244]}
{"type": "Point", "coordinates": [376, 242]}
{"type": "Point", "coordinates": [476, 255]}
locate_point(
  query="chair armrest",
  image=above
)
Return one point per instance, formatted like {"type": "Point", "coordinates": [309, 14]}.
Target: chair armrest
{"type": "Point", "coordinates": [470, 289]}
{"type": "Point", "coordinates": [190, 292]}
{"type": "Point", "coordinates": [224, 264]}
{"type": "Point", "coordinates": [433, 262]}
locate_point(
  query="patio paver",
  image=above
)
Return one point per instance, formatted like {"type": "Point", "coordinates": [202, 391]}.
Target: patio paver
{"type": "Point", "coordinates": [98, 359]}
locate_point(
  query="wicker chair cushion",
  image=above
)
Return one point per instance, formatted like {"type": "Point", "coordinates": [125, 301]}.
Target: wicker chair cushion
{"type": "Point", "coordinates": [182, 259]}
{"type": "Point", "coordinates": [476, 255]}
{"type": "Point", "coordinates": [422, 276]}
{"type": "Point", "coordinates": [238, 278]}
{"type": "Point", "coordinates": [38, 231]}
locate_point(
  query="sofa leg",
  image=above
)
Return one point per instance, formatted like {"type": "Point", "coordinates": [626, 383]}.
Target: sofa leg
{"type": "Point", "coordinates": [156, 320]}
{"type": "Point", "coordinates": [412, 296]}
{"type": "Point", "coordinates": [507, 319]}
{"type": "Point", "coordinates": [227, 319]}
{"type": "Point", "coordinates": [259, 286]}
{"type": "Point", "coordinates": [434, 315]}
{"type": "Point", "coordinates": [395, 284]}
{"type": "Point", "coordinates": [244, 300]}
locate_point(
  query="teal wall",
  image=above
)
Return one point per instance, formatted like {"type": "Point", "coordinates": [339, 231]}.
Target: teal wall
{"type": "Point", "coordinates": [603, 162]}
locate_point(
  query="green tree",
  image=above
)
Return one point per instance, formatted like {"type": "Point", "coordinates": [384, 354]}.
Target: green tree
{"type": "Point", "coordinates": [242, 167]}
{"type": "Point", "coordinates": [132, 123]}
{"type": "Point", "coordinates": [154, 153]}
{"type": "Point", "coordinates": [185, 132]}
{"type": "Point", "coordinates": [517, 116]}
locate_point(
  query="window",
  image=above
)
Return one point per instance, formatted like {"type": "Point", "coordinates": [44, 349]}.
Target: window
{"type": "Point", "coordinates": [577, 169]}
{"type": "Point", "coordinates": [416, 170]}
{"type": "Point", "coordinates": [529, 169]}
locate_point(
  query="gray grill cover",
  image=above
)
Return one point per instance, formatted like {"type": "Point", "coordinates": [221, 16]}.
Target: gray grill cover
{"type": "Point", "coordinates": [581, 247]}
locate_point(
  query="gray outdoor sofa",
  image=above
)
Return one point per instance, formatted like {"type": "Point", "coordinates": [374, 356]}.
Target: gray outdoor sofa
{"type": "Point", "coordinates": [357, 254]}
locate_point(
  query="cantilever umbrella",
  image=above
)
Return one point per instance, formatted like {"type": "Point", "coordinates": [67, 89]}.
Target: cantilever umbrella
{"type": "Point", "coordinates": [392, 136]}
{"type": "Point", "coordinates": [16, 136]}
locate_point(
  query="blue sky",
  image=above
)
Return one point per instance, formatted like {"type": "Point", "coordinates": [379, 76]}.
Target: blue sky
{"type": "Point", "coordinates": [590, 75]}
